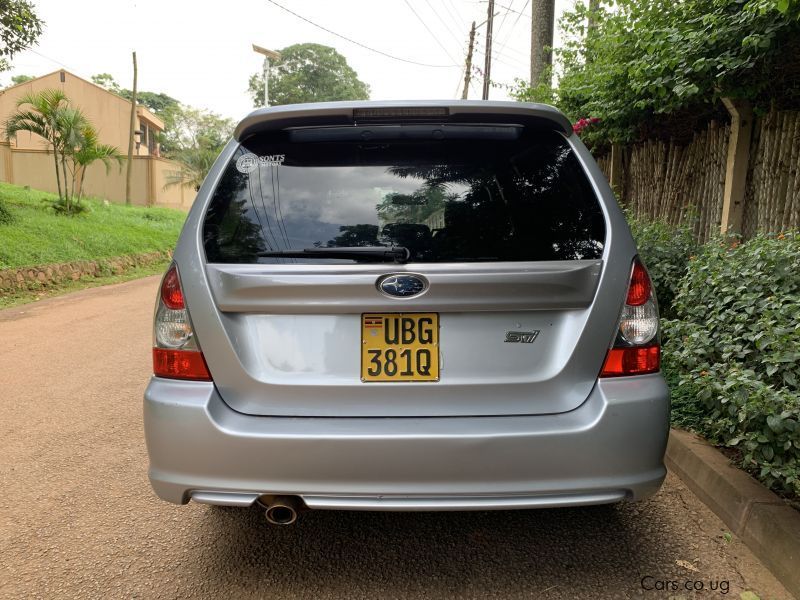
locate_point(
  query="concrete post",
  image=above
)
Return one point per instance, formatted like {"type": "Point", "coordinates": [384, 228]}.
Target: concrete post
{"type": "Point", "coordinates": [152, 188]}
{"type": "Point", "coordinates": [736, 168]}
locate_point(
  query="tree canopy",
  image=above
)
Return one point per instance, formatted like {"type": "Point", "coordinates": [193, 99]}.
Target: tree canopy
{"type": "Point", "coordinates": [158, 102]}
{"type": "Point", "coordinates": [19, 29]}
{"type": "Point", "coordinates": [17, 79]}
{"type": "Point", "coordinates": [655, 66]}
{"type": "Point", "coordinates": [193, 137]}
{"type": "Point", "coordinates": [308, 73]}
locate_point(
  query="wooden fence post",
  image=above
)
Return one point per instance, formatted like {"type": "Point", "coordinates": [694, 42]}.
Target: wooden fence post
{"type": "Point", "coordinates": [736, 168]}
{"type": "Point", "coordinates": [616, 170]}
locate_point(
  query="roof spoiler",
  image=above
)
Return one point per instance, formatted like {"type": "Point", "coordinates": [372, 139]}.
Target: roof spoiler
{"type": "Point", "coordinates": [324, 114]}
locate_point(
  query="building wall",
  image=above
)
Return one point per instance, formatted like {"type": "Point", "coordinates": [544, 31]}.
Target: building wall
{"type": "Point", "coordinates": [110, 114]}
{"type": "Point", "coordinates": [35, 168]}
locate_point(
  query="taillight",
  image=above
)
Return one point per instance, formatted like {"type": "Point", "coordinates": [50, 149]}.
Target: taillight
{"type": "Point", "coordinates": [639, 287]}
{"type": "Point", "coordinates": [176, 353]}
{"type": "Point", "coordinates": [171, 292]}
{"type": "Point", "coordinates": [636, 349]}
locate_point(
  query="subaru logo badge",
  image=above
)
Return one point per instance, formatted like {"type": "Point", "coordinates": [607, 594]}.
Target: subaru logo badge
{"type": "Point", "coordinates": [402, 285]}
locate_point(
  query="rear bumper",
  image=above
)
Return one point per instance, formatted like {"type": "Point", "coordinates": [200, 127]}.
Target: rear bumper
{"type": "Point", "coordinates": [611, 448]}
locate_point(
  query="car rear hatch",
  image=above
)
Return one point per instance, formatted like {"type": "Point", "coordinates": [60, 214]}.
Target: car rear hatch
{"type": "Point", "coordinates": [402, 263]}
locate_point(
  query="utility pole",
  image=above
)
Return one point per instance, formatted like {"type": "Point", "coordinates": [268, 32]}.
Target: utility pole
{"type": "Point", "coordinates": [130, 138]}
{"type": "Point", "coordinates": [468, 73]}
{"type": "Point", "coordinates": [542, 18]}
{"type": "Point", "coordinates": [487, 67]}
{"type": "Point", "coordinates": [267, 55]}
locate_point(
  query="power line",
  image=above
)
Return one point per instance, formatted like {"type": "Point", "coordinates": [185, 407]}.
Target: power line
{"type": "Point", "coordinates": [505, 14]}
{"type": "Point", "coordinates": [352, 41]}
{"type": "Point", "coordinates": [58, 62]}
{"type": "Point", "coordinates": [508, 8]}
{"type": "Point", "coordinates": [513, 26]}
{"type": "Point", "coordinates": [443, 22]}
{"type": "Point", "coordinates": [461, 23]}
{"type": "Point", "coordinates": [424, 24]}
{"type": "Point", "coordinates": [509, 61]}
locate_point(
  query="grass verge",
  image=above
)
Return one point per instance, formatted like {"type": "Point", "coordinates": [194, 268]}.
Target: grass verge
{"type": "Point", "coordinates": [36, 235]}
{"type": "Point", "coordinates": [18, 297]}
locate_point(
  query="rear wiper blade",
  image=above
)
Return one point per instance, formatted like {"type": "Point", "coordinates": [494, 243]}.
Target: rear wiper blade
{"type": "Point", "coordinates": [396, 254]}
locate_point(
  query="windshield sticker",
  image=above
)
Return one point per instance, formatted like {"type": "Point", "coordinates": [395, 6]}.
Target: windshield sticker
{"type": "Point", "coordinates": [247, 163]}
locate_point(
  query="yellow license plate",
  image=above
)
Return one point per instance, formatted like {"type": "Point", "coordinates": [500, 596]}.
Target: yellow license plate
{"type": "Point", "coordinates": [400, 347]}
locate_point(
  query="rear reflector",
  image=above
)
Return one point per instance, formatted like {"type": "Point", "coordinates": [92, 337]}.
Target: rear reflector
{"type": "Point", "coordinates": [636, 360]}
{"type": "Point", "coordinates": [180, 364]}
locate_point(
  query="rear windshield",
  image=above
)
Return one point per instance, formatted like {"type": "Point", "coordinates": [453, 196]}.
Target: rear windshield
{"type": "Point", "coordinates": [466, 195]}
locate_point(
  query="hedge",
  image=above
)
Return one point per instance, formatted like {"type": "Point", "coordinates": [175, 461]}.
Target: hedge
{"type": "Point", "coordinates": [731, 351]}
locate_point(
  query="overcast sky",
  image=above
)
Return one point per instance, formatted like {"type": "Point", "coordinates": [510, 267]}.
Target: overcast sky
{"type": "Point", "coordinates": [200, 52]}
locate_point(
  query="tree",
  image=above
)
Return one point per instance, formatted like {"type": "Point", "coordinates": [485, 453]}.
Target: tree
{"type": "Point", "coordinates": [68, 132]}
{"type": "Point", "coordinates": [71, 124]}
{"type": "Point", "coordinates": [39, 114]}
{"type": "Point", "coordinates": [17, 79]}
{"type": "Point", "coordinates": [195, 141]}
{"type": "Point", "coordinates": [542, 19]}
{"type": "Point", "coordinates": [308, 73]}
{"type": "Point", "coordinates": [19, 29]}
{"type": "Point", "coordinates": [158, 102]}
{"type": "Point", "coordinates": [191, 136]}
{"type": "Point", "coordinates": [658, 68]}
{"type": "Point", "coordinates": [106, 81]}
{"type": "Point", "coordinates": [164, 106]}
{"type": "Point", "coordinates": [91, 151]}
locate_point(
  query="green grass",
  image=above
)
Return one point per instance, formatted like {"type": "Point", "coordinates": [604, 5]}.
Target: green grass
{"type": "Point", "coordinates": [38, 235]}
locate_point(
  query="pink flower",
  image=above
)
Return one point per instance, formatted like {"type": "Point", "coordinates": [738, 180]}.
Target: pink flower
{"type": "Point", "coordinates": [584, 123]}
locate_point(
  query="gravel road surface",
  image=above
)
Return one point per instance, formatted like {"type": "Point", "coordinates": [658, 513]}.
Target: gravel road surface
{"type": "Point", "coordinates": [78, 519]}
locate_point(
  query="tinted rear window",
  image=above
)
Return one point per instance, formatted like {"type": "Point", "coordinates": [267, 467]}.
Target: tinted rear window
{"type": "Point", "coordinates": [520, 197]}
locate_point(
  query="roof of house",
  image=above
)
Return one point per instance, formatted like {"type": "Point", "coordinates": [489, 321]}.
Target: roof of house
{"type": "Point", "coordinates": [141, 110]}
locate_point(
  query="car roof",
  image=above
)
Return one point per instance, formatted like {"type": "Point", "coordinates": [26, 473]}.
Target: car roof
{"type": "Point", "coordinates": [321, 114]}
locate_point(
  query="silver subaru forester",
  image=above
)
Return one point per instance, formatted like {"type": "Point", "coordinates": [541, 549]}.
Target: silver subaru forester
{"type": "Point", "coordinates": [410, 306]}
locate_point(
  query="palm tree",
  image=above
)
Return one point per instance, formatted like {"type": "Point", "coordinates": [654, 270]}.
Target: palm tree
{"type": "Point", "coordinates": [89, 152]}
{"type": "Point", "coordinates": [71, 124]}
{"type": "Point", "coordinates": [41, 116]}
{"type": "Point", "coordinates": [195, 163]}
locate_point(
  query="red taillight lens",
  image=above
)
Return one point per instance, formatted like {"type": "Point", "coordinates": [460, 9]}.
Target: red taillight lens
{"type": "Point", "coordinates": [636, 349]}
{"type": "Point", "coordinates": [180, 364]}
{"type": "Point", "coordinates": [171, 293]}
{"type": "Point", "coordinates": [176, 353]}
{"type": "Point", "coordinates": [636, 360]}
{"type": "Point", "coordinates": [639, 287]}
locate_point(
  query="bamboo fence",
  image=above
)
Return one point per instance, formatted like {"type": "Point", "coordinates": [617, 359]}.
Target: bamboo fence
{"type": "Point", "coordinates": [604, 162]}
{"type": "Point", "coordinates": [678, 184]}
{"type": "Point", "coordinates": [682, 184]}
{"type": "Point", "coordinates": [772, 197]}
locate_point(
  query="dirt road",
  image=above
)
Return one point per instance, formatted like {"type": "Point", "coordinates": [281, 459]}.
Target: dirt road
{"type": "Point", "coordinates": [78, 519]}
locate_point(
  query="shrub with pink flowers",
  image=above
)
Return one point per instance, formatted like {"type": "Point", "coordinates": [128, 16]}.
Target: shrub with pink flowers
{"type": "Point", "coordinates": [582, 124]}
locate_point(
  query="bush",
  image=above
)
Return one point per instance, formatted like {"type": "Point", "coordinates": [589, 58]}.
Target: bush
{"type": "Point", "coordinates": [658, 67]}
{"type": "Point", "coordinates": [665, 251]}
{"type": "Point", "coordinates": [5, 215]}
{"type": "Point", "coordinates": [733, 353]}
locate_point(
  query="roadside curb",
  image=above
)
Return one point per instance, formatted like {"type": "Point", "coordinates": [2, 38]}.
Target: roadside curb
{"type": "Point", "coordinates": [769, 527]}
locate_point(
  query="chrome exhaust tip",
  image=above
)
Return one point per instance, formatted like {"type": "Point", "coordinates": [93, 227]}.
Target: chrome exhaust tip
{"type": "Point", "coordinates": [281, 510]}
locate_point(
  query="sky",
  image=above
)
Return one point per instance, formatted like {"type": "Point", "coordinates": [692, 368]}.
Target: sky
{"type": "Point", "coordinates": [201, 52]}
